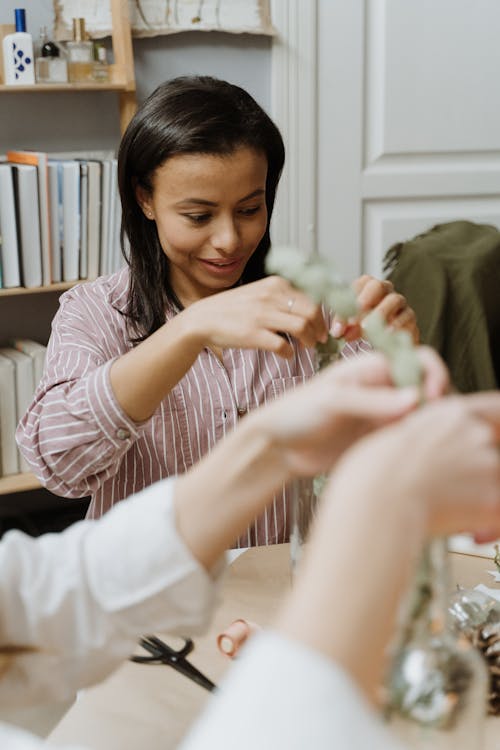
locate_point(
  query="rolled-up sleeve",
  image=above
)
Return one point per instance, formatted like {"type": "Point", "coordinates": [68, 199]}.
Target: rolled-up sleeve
{"type": "Point", "coordinates": [75, 433]}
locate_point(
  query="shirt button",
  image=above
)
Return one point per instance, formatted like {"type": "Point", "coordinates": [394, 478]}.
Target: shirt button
{"type": "Point", "coordinates": [241, 411]}
{"type": "Point", "coordinates": [122, 434]}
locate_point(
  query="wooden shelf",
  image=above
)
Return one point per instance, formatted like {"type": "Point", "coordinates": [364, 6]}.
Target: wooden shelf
{"type": "Point", "coordinates": [122, 75]}
{"type": "Point", "coordinates": [60, 287]}
{"type": "Point", "coordinates": [120, 80]}
{"type": "Point", "coordinates": [55, 87]}
{"type": "Point", "coordinates": [18, 483]}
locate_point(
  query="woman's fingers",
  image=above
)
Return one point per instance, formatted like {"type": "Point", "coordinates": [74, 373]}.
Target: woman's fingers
{"type": "Point", "coordinates": [370, 291]}
{"type": "Point", "coordinates": [380, 295]}
{"type": "Point", "coordinates": [374, 369]}
{"type": "Point", "coordinates": [443, 460]}
{"type": "Point", "coordinates": [436, 376]}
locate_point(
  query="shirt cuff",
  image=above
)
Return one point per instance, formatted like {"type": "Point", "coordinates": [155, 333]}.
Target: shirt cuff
{"type": "Point", "coordinates": [111, 419]}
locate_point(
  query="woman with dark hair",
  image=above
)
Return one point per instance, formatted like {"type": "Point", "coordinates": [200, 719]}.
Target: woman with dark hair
{"type": "Point", "coordinates": [149, 367]}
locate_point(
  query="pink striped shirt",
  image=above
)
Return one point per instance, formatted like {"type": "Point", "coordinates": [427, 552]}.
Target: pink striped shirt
{"type": "Point", "coordinates": [80, 442]}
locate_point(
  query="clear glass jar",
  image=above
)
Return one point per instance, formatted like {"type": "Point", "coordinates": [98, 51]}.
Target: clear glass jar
{"type": "Point", "coordinates": [80, 53]}
{"type": "Point", "coordinates": [305, 493]}
{"type": "Point", "coordinates": [437, 684]}
{"type": "Point", "coordinates": [303, 500]}
{"type": "Point", "coordinates": [50, 65]}
{"type": "Point", "coordinates": [101, 67]}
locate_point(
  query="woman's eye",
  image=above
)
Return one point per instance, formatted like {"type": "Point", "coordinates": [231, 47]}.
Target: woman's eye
{"type": "Point", "coordinates": [250, 211]}
{"type": "Point", "coordinates": [197, 218]}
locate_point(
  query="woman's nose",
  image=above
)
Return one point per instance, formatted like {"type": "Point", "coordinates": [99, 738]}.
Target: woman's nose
{"type": "Point", "coordinates": [226, 236]}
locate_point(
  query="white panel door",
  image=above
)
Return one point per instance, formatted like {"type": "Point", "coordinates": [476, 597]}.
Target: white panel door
{"type": "Point", "coordinates": [408, 124]}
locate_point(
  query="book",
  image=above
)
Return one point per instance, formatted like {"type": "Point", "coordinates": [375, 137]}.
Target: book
{"type": "Point", "coordinates": [9, 462]}
{"type": "Point", "coordinates": [115, 257]}
{"type": "Point", "coordinates": [9, 248]}
{"type": "Point", "coordinates": [105, 214]}
{"type": "Point", "coordinates": [71, 219]}
{"type": "Point", "coordinates": [37, 352]}
{"type": "Point", "coordinates": [24, 390]}
{"type": "Point", "coordinates": [56, 219]}
{"type": "Point", "coordinates": [26, 195]}
{"type": "Point", "coordinates": [94, 218]}
{"type": "Point", "coordinates": [39, 160]}
{"type": "Point", "coordinates": [113, 199]}
{"type": "Point", "coordinates": [84, 203]}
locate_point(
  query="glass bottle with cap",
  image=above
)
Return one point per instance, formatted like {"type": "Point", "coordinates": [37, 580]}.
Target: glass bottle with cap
{"type": "Point", "coordinates": [80, 54]}
{"type": "Point", "coordinates": [50, 65]}
{"type": "Point", "coordinates": [101, 67]}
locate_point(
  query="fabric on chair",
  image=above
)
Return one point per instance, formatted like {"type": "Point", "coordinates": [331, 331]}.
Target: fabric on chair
{"type": "Point", "coordinates": [450, 275]}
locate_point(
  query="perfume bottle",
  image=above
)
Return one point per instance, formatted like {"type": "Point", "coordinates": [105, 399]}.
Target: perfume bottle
{"type": "Point", "coordinates": [50, 66]}
{"type": "Point", "coordinates": [437, 686]}
{"type": "Point", "coordinates": [80, 54]}
{"type": "Point", "coordinates": [18, 56]}
{"type": "Point", "coordinates": [101, 67]}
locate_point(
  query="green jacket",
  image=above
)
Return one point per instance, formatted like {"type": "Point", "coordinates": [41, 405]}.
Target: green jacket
{"type": "Point", "coordinates": [450, 275]}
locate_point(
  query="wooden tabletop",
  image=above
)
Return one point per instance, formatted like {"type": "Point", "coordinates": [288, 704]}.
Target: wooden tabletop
{"type": "Point", "coordinates": [153, 706]}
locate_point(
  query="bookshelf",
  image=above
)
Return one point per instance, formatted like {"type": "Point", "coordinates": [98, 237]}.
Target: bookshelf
{"type": "Point", "coordinates": [122, 81]}
{"type": "Point", "coordinates": [18, 290]}
{"type": "Point", "coordinates": [18, 483]}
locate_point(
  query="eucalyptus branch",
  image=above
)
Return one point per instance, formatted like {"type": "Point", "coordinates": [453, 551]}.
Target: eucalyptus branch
{"type": "Point", "coordinates": [317, 277]}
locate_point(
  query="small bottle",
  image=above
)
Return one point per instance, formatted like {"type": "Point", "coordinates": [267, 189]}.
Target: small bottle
{"type": "Point", "coordinates": [18, 54]}
{"type": "Point", "coordinates": [80, 54]}
{"type": "Point", "coordinates": [101, 67]}
{"type": "Point", "coordinates": [50, 66]}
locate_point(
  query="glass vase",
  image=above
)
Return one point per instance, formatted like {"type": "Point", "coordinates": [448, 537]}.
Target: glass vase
{"type": "Point", "coordinates": [303, 505]}
{"type": "Point", "coordinates": [437, 684]}
{"type": "Point", "coordinates": [305, 493]}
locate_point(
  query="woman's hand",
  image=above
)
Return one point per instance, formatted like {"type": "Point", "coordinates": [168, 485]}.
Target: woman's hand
{"type": "Point", "coordinates": [373, 294]}
{"type": "Point", "coordinates": [443, 460]}
{"type": "Point", "coordinates": [317, 422]}
{"type": "Point", "coordinates": [435, 472]}
{"type": "Point", "coordinates": [253, 316]}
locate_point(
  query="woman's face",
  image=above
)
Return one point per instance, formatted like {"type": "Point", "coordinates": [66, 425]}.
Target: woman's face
{"type": "Point", "coordinates": [210, 213]}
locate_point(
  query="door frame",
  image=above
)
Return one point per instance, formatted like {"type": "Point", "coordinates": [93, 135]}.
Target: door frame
{"type": "Point", "coordinates": [294, 100]}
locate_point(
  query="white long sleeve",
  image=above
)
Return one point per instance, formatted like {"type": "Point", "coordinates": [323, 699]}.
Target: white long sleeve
{"type": "Point", "coordinates": [83, 597]}
{"type": "Point", "coordinates": [282, 695]}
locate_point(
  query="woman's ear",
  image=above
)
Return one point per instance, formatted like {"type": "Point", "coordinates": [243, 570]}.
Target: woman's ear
{"type": "Point", "coordinates": [144, 199]}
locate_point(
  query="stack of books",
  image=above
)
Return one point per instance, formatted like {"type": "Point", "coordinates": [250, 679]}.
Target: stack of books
{"type": "Point", "coordinates": [21, 369]}
{"type": "Point", "coordinates": [59, 219]}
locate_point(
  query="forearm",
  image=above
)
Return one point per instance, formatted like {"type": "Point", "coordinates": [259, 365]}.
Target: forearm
{"type": "Point", "coordinates": [144, 376]}
{"type": "Point", "coordinates": [220, 496]}
{"type": "Point", "coordinates": [353, 579]}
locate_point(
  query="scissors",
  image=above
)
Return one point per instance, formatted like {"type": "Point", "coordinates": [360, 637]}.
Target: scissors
{"type": "Point", "coordinates": [160, 653]}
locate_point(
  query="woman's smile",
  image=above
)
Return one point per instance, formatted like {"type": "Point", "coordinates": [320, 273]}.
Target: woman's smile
{"type": "Point", "coordinates": [221, 267]}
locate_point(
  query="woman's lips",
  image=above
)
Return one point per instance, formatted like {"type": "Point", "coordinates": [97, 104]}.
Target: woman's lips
{"type": "Point", "coordinates": [222, 267]}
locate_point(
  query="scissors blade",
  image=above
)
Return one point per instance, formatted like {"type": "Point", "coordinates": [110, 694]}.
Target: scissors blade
{"type": "Point", "coordinates": [188, 670]}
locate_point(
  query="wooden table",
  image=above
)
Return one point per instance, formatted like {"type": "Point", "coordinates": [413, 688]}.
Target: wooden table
{"type": "Point", "coordinates": [153, 706]}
